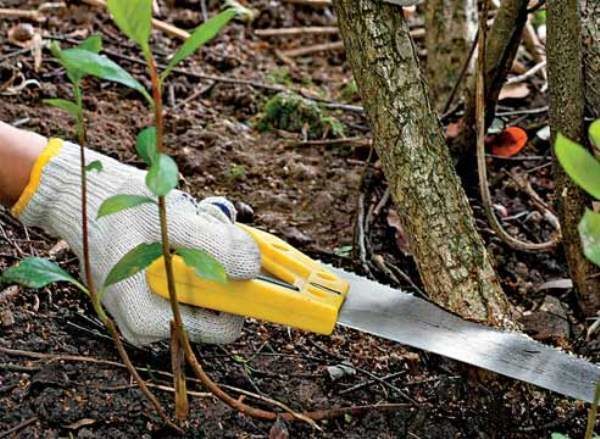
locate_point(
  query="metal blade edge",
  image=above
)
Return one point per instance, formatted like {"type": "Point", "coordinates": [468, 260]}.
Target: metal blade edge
{"type": "Point", "coordinates": [399, 316]}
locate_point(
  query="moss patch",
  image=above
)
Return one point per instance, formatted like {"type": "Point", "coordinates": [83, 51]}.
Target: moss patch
{"type": "Point", "coordinates": [291, 112]}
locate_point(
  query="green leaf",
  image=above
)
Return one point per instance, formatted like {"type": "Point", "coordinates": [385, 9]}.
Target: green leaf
{"type": "Point", "coordinates": [201, 35]}
{"type": "Point", "coordinates": [558, 436]}
{"type": "Point", "coordinates": [121, 202]}
{"type": "Point", "coordinates": [581, 166]}
{"type": "Point", "coordinates": [92, 44]}
{"type": "Point", "coordinates": [145, 145]}
{"type": "Point", "coordinates": [594, 133]}
{"type": "Point", "coordinates": [162, 176]}
{"type": "Point", "coordinates": [74, 74]}
{"type": "Point", "coordinates": [96, 165]}
{"type": "Point", "coordinates": [589, 231]}
{"type": "Point", "coordinates": [133, 262]}
{"type": "Point", "coordinates": [102, 67]}
{"type": "Point", "coordinates": [37, 273]}
{"type": "Point", "coordinates": [203, 264]}
{"type": "Point", "coordinates": [134, 18]}
{"type": "Point", "coordinates": [68, 106]}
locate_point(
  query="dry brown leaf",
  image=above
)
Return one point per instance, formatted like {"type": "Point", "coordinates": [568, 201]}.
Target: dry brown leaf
{"type": "Point", "coordinates": [21, 35]}
{"type": "Point", "coordinates": [81, 423]}
{"type": "Point", "coordinates": [514, 91]}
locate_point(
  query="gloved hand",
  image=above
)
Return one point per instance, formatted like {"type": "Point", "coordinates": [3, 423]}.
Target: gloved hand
{"type": "Point", "coordinates": [52, 201]}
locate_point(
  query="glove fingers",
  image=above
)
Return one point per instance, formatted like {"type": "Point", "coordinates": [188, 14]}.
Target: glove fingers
{"type": "Point", "coordinates": [144, 317]}
{"type": "Point", "coordinates": [227, 243]}
{"type": "Point", "coordinates": [218, 207]}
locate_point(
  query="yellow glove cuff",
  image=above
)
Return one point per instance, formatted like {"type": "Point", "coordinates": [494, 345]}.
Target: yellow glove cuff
{"type": "Point", "coordinates": [51, 150]}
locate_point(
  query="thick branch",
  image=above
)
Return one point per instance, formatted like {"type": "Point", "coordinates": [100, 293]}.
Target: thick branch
{"type": "Point", "coordinates": [565, 75]}
{"type": "Point", "coordinates": [454, 265]}
{"type": "Point", "coordinates": [501, 47]}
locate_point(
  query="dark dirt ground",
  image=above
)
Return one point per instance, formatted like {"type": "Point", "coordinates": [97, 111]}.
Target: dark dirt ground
{"type": "Point", "coordinates": [306, 194]}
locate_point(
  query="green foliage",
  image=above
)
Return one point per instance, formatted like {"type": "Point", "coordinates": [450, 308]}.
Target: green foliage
{"type": "Point", "coordinates": [203, 264]}
{"type": "Point", "coordinates": [121, 202]}
{"type": "Point", "coordinates": [584, 169]}
{"type": "Point", "coordinates": [134, 18]}
{"type": "Point", "coordinates": [539, 18]}
{"type": "Point", "coordinates": [96, 165]}
{"type": "Point", "coordinates": [133, 262]}
{"type": "Point", "coordinates": [92, 44]}
{"type": "Point", "coordinates": [291, 112]}
{"type": "Point", "coordinates": [581, 166]}
{"type": "Point", "coordinates": [68, 106]}
{"type": "Point", "coordinates": [201, 35]}
{"type": "Point", "coordinates": [280, 75]}
{"type": "Point", "coordinates": [163, 175]}
{"type": "Point", "coordinates": [349, 92]}
{"type": "Point", "coordinates": [236, 172]}
{"type": "Point", "coordinates": [102, 67]}
{"type": "Point", "coordinates": [589, 230]}
{"type": "Point", "coordinates": [145, 145]}
{"type": "Point", "coordinates": [37, 273]}
{"type": "Point", "coordinates": [594, 133]}
{"type": "Point", "coordinates": [558, 436]}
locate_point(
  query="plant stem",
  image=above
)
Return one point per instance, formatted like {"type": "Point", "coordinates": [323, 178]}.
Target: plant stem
{"type": "Point", "coordinates": [94, 297]}
{"type": "Point", "coordinates": [591, 422]}
{"type": "Point", "coordinates": [484, 188]}
{"type": "Point", "coordinates": [81, 137]}
{"type": "Point", "coordinates": [177, 330]}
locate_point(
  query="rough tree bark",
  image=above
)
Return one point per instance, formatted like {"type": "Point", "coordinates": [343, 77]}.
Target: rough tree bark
{"type": "Point", "coordinates": [451, 27]}
{"type": "Point", "coordinates": [501, 47]}
{"type": "Point", "coordinates": [566, 85]}
{"type": "Point", "coordinates": [590, 12]}
{"type": "Point", "coordinates": [453, 263]}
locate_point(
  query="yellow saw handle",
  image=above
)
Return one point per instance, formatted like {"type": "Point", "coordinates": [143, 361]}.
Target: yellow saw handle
{"type": "Point", "coordinates": [298, 291]}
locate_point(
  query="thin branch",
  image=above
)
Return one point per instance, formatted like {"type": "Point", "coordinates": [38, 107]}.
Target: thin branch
{"type": "Point", "coordinates": [18, 427]}
{"type": "Point", "coordinates": [463, 72]}
{"type": "Point", "coordinates": [81, 134]}
{"type": "Point", "coordinates": [486, 197]}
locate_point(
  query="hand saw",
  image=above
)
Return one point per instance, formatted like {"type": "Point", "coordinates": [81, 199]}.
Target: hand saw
{"type": "Point", "coordinates": [297, 291]}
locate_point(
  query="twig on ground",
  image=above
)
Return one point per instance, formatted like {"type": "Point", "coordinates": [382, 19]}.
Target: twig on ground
{"type": "Point", "coordinates": [382, 202]}
{"type": "Point", "coordinates": [309, 50]}
{"type": "Point", "coordinates": [370, 382]}
{"type": "Point", "coordinates": [18, 427]}
{"type": "Point", "coordinates": [231, 80]}
{"type": "Point", "coordinates": [32, 14]}
{"type": "Point", "coordinates": [157, 24]}
{"type": "Point", "coordinates": [532, 71]}
{"type": "Point", "coordinates": [354, 141]}
{"type": "Point", "coordinates": [416, 33]}
{"type": "Point", "coordinates": [305, 30]}
{"type": "Point", "coordinates": [359, 232]}
{"type": "Point", "coordinates": [366, 372]}
{"type": "Point", "coordinates": [481, 164]}
{"type": "Point", "coordinates": [316, 3]}
{"type": "Point", "coordinates": [538, 202]}
{"type": "Point", "coordinates": [535, 48]}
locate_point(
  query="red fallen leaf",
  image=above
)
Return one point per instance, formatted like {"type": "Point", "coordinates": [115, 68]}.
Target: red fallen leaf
{"type": "Point", "coordinates": [509, 142]}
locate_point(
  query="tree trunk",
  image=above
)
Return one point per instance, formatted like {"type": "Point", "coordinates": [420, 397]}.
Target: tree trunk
{"type": "Point", "coordinates": [565, 76]}
{"type": "Point", "coordinates": [453, 263]}
{"type": "Point", "coordinates": [590, 11]}
{"type": "Point", "coordinates": [451, 27]}
{"type": "Point", "coordinates": [502, 44]}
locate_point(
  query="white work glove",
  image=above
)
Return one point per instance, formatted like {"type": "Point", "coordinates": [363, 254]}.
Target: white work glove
{"type": "Point", "coordinates": [142, 316]}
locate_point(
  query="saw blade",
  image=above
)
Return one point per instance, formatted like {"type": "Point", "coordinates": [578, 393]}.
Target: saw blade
{"type": "Point", "coordinates": [399, 316]}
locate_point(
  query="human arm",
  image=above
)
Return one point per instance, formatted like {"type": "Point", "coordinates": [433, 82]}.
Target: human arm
{"type": "Point", "coordinates": [50, 198]}
{"type": "Point", "coordinates": [19, 150]}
